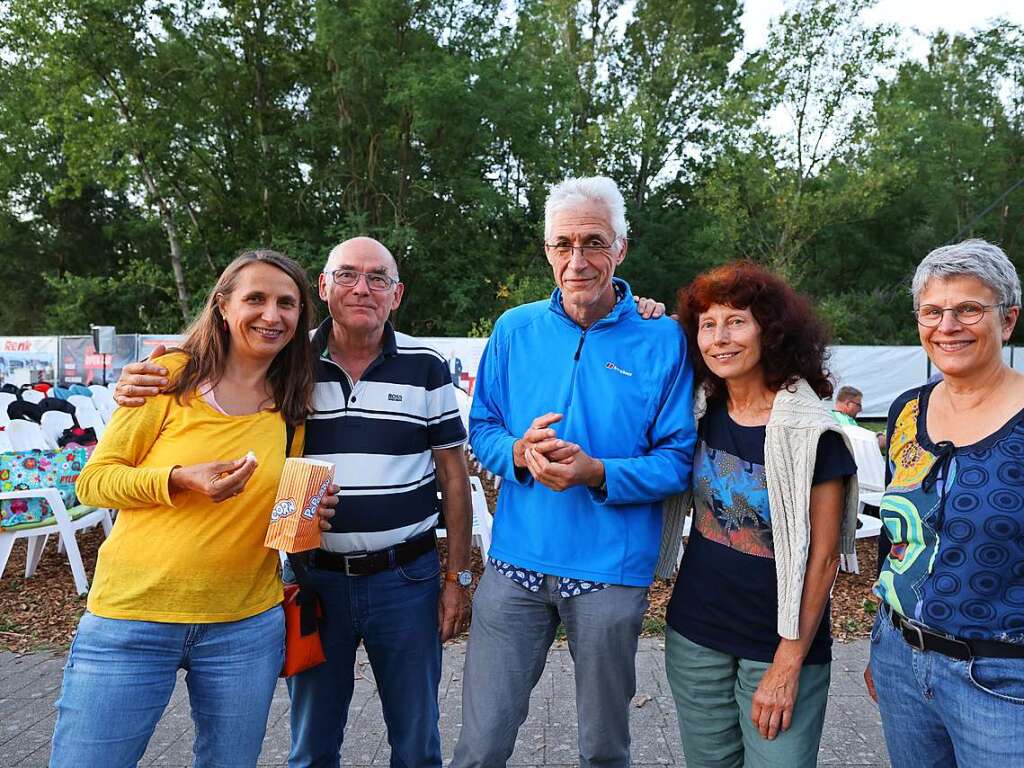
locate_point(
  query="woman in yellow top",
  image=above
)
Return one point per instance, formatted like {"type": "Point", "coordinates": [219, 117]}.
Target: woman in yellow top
{"type": "Point", "coordinates": [184, 581]}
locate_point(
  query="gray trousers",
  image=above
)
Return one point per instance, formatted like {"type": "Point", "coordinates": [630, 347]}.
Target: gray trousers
{"type": "Point", "coordinates": [509, 638]}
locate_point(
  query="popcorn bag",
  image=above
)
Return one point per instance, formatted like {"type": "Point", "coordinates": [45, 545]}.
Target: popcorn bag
{"type": "Point", "coordinates": [293, 521]}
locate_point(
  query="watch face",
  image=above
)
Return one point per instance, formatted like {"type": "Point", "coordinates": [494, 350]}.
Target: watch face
{"type": "Point", "coordinates": [465, 578]}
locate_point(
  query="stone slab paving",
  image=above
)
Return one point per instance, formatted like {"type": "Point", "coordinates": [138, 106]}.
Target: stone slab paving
{"type": "Point", "coordinates": [29, 684]}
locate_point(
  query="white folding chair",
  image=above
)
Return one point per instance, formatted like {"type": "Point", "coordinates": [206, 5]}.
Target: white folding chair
{"type": "Point", "coordinates": [26, 436]}
{"type": "Point", "coordinates": [6, 398]}
{"type": "Point", "coordinates": [87, 414]}
{"type": "Point", "coordinates": [104, 401]}
{"type": "Point", "coordinates": [5, 438]}
{"type": "Point", "coordinates": [53, 424]}
{"type": "Point", "coordinates": [483, 522]}
{"type": "Point", "coordinates": [64, 523]}
{"type": "Point", "coordinates": [482, 519]}
{"type": "Point", "coordinates": [32, 395]}
{"type": "Point", "coordinates": [871, 486]}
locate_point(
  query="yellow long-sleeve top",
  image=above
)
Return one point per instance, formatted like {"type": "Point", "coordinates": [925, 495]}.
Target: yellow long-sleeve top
{"type": "Point", "coordinates": [184, 558]}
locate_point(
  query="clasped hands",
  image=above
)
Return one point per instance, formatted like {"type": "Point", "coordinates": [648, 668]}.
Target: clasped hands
{"type": "Point", "coordinates": [555, 463]}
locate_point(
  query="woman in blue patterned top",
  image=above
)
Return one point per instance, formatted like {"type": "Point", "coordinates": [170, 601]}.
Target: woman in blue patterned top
{"type": "Point", "coordinates": [947, 648]}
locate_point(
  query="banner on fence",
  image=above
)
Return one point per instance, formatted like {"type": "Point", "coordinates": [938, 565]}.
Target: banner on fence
{"type": "Point", "coordinates": [27, 359]}
{"type": "Point", "coordinates": [147, 343]}
{"type": "Point", "coordinates": [81, 364]}
{"type": "Point", "coordinates": [463, 356]}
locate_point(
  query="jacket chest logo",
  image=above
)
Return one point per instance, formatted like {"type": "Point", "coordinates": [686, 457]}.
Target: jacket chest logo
{"type": "Point", "coordinates": [613, 367]}
{"type": "Point", "coordinates": [392, 397]}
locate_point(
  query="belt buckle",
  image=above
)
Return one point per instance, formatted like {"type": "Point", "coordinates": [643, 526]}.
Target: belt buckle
{"type": "Point", "coordinates": [908, 625]}
{"type": "Point", "coordinates": [354, 556]}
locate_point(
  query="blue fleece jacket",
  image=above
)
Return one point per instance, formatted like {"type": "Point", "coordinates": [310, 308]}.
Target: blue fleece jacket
{"type": "Point", "coordinates": [624, 389]}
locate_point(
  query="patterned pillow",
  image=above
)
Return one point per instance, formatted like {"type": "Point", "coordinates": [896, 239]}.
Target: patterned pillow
{"type": "Point", "coordinates": [28, 470]}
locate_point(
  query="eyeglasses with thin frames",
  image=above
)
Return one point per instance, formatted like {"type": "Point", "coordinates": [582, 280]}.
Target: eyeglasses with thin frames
{"type": "Point", "coordinates": [375, 281]}
{"type": "Point", "coordinates": [965, 313]}
{"type": "Point", "coordinates": [565, 250]}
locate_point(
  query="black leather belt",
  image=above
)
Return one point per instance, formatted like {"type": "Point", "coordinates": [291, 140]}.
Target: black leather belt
{"type": "Point", "coordinates": [368, 563]}
{"type": "Point", "coordinates": [926, 639]}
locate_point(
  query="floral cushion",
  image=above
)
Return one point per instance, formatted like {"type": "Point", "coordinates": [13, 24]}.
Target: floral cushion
{"type": "Point", "coordinates": [28, 470]}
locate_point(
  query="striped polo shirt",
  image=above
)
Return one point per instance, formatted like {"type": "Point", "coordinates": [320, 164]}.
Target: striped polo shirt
{"type": "Point", "coordinates": [379, 433]}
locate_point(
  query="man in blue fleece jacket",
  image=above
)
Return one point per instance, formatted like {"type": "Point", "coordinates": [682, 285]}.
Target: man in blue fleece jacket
{"type": "Point", "coordinates": [585, 410]}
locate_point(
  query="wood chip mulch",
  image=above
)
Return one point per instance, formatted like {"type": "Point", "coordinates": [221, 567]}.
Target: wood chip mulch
{"type": "Point", "coordinates": [43, 611]}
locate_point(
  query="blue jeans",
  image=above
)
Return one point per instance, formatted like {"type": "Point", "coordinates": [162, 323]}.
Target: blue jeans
{"type": "Point", "coordinates": [120, 674]}
{"type": "Point", "coordinates": [394, 614]}
{"type": "Point", "coordinates": [937, 711]}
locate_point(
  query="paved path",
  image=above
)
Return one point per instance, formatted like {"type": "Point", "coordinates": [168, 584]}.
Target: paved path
{"type": "Point", "coordinates": [29, 685]}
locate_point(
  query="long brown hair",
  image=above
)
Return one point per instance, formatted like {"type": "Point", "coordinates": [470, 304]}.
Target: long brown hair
{"type": "Point", "coordinates": [207, 341]}
{"type": "Point", "coordinates": [793, 338]}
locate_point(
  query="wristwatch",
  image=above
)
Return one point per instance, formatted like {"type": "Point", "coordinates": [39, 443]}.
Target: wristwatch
{"type": "Point", "coordinates": [462, 578]}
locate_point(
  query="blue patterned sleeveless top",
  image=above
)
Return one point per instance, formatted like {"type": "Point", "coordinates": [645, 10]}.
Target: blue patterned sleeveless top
{"type": "Point", "coordinates": [955, 516]}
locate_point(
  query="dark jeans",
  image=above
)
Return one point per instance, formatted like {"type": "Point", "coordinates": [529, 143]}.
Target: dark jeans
{"type": "Point", "coordinates": [394, 614]}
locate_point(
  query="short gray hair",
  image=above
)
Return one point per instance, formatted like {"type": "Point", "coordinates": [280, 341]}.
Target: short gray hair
{"type": "Point", "coordinates": [972, 258]}
{"type": "Point", "coordinates": [847, 393]}
{"type": "Point", "coordinates": [572, 192]}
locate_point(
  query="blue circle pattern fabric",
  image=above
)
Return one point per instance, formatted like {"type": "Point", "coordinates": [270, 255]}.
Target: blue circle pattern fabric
{"type": "Point", "coordinates": [957, 527]}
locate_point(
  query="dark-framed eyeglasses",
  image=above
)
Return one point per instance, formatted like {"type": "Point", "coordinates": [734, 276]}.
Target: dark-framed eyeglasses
{"type": "Point", "coordinates": [965, 313]}
{"type": "Point", "coordinates": [565, 249]}
{"type": "Point", "coordinates": [375, 281]}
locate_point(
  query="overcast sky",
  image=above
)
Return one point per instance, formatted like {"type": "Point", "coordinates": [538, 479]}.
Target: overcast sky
{"type": "Point", "coordinates": [926, 15]}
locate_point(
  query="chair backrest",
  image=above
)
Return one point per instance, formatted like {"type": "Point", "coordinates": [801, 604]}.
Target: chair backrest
{"type": "Point", "coordinates": [32, 396]}
{"type": "Point", "coordinates": [80, 402]}
{"type": "Point", "coordinates": [56, 404]}
{"type": "Point", "coordinates": [868, 457]}
{"type": "Point", "coordinates": [5, 440]}
{"type": "Point", "coordinates": [80, 389]}
{"type": "Point", "coordinates": [6, 398]}
{"type": "Point", "coordinates": [9, 388]}
{"type": "Point", "coordinates": [104, 401]}
{"type": "Point", "coordinates": [53, 425]}
{"type": "Point", "coordinates": [62, 392]}
{"type": "Point", "coordinates": [88, 416]}
{"type": "Point", "coordinates": [26, 436]}
{"type": "Point", "coordinates": [24, 410]}
{"type": "Point", "coordinates": [100, 392]}
{"type": "Point", "coordinates": [464, 402]}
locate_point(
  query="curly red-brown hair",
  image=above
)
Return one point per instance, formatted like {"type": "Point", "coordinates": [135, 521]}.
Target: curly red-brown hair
{"type": "Point", "coordinates": [793, 338]}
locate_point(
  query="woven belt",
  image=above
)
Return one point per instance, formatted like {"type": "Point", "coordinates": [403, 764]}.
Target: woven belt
{"type": "Point", "coordinates": [924, 638]}
{"type": "Point", "coordinates": [368, 563]}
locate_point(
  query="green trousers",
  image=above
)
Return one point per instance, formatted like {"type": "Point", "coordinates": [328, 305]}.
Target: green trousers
{"type": "Point", "coordinates": [713, 693]}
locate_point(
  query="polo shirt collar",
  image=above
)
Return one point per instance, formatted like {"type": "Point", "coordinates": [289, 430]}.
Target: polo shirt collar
{"type": "Point", "coordinates": [389, 344]}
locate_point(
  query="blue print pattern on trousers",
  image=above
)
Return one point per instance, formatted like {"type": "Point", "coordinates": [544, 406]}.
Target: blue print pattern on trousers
{"type": "Point", "coordinates": [532, 580]}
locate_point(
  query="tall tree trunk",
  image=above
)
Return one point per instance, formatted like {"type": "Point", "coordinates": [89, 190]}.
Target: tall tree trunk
{"type": "Point", "coordinates": [167, 219]}
{"type": "Point", "coordinates": [259, 66]}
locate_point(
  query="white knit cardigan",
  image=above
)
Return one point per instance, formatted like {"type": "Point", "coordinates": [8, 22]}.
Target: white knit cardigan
{"type": "Point", "coordinates": [797, 421]}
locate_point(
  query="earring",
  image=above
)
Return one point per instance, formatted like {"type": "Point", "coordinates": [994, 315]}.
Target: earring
{"type": "Point", "coordinates": [224, 322]}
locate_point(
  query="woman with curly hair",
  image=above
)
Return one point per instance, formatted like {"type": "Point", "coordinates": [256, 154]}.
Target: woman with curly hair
{"type": "Point", "coordinates": [748, 647]}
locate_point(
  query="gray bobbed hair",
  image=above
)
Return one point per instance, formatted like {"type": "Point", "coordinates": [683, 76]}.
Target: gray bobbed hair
{"type": "Point", "coordinates": [571, 192]}
{"type": "Point", "coordinates": [971, 258]}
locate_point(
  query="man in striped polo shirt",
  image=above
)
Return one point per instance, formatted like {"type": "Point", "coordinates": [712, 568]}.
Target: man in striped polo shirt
{"type": "Point", "coordinates": [385, 414]}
